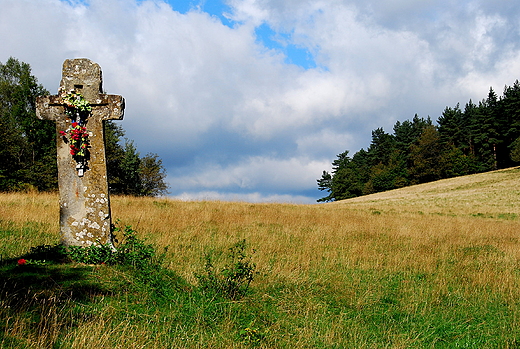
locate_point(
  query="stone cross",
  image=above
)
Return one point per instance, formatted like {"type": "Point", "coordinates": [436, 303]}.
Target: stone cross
{"type": "Point", "coordinates": [85, 218]}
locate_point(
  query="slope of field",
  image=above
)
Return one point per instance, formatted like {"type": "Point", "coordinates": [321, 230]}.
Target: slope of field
{"type": "Point", "coordinates": [492, 194]}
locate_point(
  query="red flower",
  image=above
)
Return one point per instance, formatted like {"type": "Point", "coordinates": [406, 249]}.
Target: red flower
{"type": "Point", "coordinates": [74, 124]}
{"type": "Point", "coordinates": [22, 261]}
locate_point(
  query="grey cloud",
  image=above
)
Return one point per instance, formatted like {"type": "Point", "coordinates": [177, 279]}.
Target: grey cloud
{"type": "Point", "coordinates": [229, 118]}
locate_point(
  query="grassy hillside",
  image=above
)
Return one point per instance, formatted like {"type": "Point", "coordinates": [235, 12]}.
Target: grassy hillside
{"type": "Point", "coordinates": [492, 194]}
{"type": "Point", "coordinates": [434, 265]}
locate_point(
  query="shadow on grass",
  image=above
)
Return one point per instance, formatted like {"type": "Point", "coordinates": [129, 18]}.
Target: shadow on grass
{"type": "Point", "coordinates": [46, 272]}
{"type": "Point", "coordinates": [26, 282]}
{"type": "Point", "coordinates": [44, 297]}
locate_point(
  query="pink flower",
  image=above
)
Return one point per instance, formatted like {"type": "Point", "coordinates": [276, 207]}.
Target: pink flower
{"type": "Point", "coordinates": [22, 261]}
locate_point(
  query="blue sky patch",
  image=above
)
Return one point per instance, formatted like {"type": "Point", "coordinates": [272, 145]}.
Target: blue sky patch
{"type": "Point", "coordinates": [265, 34]}
{"type": "Point", "coordinates": [214, 7]}
{"type": "Point", "coordinates": [282, 42]}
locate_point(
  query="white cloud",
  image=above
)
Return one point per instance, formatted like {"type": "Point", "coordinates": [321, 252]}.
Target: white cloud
{"type": "Point", "coordinates": [255, 197]}
{"type": "Point", "coordinates": [269, 174]}
{"type": "Point", "coordinates": [324, 142]}
{"type": "Point", "coordinates": [227, 115]}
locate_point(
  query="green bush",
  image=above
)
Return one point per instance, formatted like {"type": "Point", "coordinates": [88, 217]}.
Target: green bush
{"type": "Point", "coordinates": [234, 278]}
{"type": "Point", "coordinates": [131, 251]}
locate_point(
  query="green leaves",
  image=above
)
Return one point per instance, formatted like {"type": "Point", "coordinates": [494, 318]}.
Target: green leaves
{"type": "Point", "coordinates": [26, 141]}
{"type": "Point", "coordinates": [128, 172]}
{"type": "Point", "coordinates": [132, 251]}
{"type": "Point", "coordinates": [76, 103]}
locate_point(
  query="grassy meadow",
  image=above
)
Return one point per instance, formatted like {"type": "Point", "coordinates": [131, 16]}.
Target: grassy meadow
{"type": "Point", "coordinates": [430, 266]}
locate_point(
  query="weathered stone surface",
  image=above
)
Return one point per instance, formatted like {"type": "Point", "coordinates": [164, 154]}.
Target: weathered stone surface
{"type": "Point", "coordinates": [84, 201]}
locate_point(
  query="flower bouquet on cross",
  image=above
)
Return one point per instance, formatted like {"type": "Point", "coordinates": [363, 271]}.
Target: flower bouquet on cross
{"type": "Point", "coordinates": [78, 109]}
{"type": "Point", "coordinates": [78, 139]}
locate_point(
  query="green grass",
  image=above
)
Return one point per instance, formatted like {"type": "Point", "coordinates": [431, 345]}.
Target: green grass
{"type": "Point", "coordinates": [16, 240]}
{"type": "Point", "coordinates": [70, 305]}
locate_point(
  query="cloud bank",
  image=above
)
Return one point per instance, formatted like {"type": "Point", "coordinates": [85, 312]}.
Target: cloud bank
{"type": "Point", "coordinates": [214, 90]}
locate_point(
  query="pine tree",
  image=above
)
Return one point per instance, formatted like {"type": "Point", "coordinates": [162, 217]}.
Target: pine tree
{"type": "Point", "coordinates": [381, 148]}
{"type": "Point", "coordinates": [478, 139]}
{"type": "Point", "coordinates": [325, 184]}
{"type": "Point", "coordinates": [426, 156]}
{"type": "Point", "coordinates": [128, 172]}
{"type": "Point", "coordinates": [511, 110]}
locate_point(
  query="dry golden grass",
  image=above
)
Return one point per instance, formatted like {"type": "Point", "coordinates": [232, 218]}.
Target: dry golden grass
{"type": "Point", "coordinates": [462, 233]}
{"type": "Point", "coordinates": [406, 229]}
{"type": "Point", "coordinates": [489, 194]}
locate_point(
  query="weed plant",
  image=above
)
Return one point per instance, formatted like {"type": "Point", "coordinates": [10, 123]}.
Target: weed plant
{"type": "Point", "coordinates": [130, 251]}
{"type": "Point", "coordinates": [234, 278]}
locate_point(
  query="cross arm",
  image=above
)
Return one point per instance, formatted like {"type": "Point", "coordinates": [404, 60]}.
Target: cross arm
{"type": "Point", "coordinates": [49, 107]}
{"type": "Point", "coordinates": [109, 106]}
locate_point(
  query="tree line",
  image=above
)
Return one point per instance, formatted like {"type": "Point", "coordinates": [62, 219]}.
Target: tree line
{"type": "Point", "coordinates": [28, 144]}
{"type": "Point", "coordinates": [475, 139]}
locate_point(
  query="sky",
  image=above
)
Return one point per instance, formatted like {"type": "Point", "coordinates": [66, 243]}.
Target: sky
{"type": "Point", "coordinates": [251, 100]}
